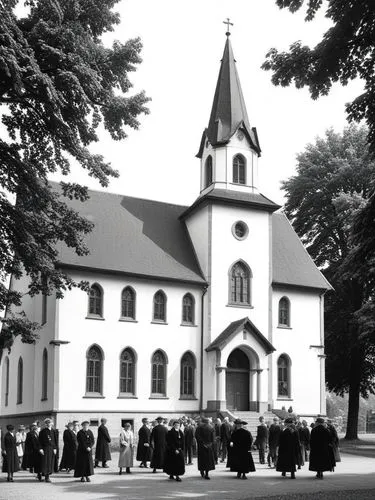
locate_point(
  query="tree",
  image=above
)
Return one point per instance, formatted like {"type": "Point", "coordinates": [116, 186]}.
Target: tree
{"type": "Point", "coordinates": [58, 82]}
{"type": "Point", "coordinates": [323, 199]}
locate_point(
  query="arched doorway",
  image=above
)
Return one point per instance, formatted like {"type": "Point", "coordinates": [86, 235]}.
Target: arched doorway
{"type": "Point", "coordinates": [238, 381]}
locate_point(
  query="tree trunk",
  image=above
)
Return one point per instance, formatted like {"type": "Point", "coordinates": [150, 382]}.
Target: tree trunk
{"type": "Point", "coordinates": [354, 392]}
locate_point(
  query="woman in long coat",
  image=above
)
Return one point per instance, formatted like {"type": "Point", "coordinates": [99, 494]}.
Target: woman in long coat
{"type": "Point", "coordinates": [126, 449]}
{"type": "Point", "coordinates": [241, 459]}
{"type": "Point", "coordinates": [32, 457]}
{"type": "Point", "coordinates": [205, 437]}
{"type": "Point", "coordinates": [321, 452]}
{"type": "Point", "coordinates": [174, 464]}
{"type": "Point", "coordinates": [84, 464]}
{"type": "Point", "coordinates": [69, 455]}
{"type": "Point", "coordinates": [10, 457]}
{"type": "Point", "coordinates": [144, 448]}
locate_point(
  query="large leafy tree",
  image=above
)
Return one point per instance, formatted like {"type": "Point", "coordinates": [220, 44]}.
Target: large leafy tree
{"type": "Point", "coordinates": [323, 200]}
{"type": "Point", "coordinates": [58, 83]}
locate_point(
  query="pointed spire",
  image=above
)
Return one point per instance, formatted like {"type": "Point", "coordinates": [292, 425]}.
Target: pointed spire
{"type": "Point", "coordinates": [228, 109]}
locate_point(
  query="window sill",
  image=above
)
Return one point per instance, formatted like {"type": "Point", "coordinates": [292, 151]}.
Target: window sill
{"type": "Point", "coordinates": [284, 398]}
{"type": "Point", "coordinates": [188, 398]}
{"type": "Point", "coordinates": [155, 396]}
{"type": "Point", "coordinates": [156, 322]}
{"type": "Point", "coordinates": [126, 396]}
{"type": "Point", "coordinates": [128, 320]}
{"type": "Point", "coordinates": [44, 399]}
{"type": "Point", "coordinates": [284, 327]}
{"type": "Point", "coordinates": [19, 403]}
{"type": "Point", "coordinates": [189, 324]}
{"type": "Point", "coordinates": [242, 306]}
{"type": "Point", "coordinates": [93, 396]}
{"type": "Point", "coordinates": [93, 316]}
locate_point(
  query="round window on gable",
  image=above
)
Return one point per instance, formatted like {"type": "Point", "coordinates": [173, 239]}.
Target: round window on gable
{"type": "Point", "coordinates": [240, 230]}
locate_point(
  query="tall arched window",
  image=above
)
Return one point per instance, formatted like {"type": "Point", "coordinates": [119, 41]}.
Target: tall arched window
{"type": "Point", "coordinates": [128, 303]}
{"type": "Point", "coordinates": [96, 301]}
{"type": "Point", "coordinates": [208, 171]}
{"type": "Point", "coordinates": [45, 375]}
{"type": "Point", "coordinates": [187, 375]}
{"type": "Point", "coordinates": [188, 306]}
{"type": "Point", "coordinates": [20, 381]}
{"type": "Point", "coordinates": [159, 373]}
{"type": "Point", "coordinates": [127, 372]}
{"type": "Point", "coordinates": [6, 384]}
{"type": "Point", "coordinates": [284, 312]}
{"type": "Point", "coordinates": [160, 306]}
{"type": "Point", "coordinates": [239, 170]}
{"type": "Point", "coordinates": [94, 374]}
{"type": "Point", "coordinates": [283, 376]}
{"type": "Point", "coordinates": [240, 284]}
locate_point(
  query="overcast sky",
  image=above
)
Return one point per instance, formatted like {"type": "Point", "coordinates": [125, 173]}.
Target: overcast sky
{"type": "Point", "coordinates": [183, 44]}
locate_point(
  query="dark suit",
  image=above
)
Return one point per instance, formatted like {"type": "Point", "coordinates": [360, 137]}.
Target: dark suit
{"type": "Point", "coordinates": [32, 457]}
{"type": "Point", "coordinates": [189, 433]}
{"type": "Point", "coordinates": [47, 441]}
{"type": "Point", "coordinates": [225, 433]}
{"type": "Point", "coordinates": [261, 440]}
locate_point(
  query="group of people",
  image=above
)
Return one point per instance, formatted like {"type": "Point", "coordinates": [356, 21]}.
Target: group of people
{"type": "Point", "coordinates": [170, 446]}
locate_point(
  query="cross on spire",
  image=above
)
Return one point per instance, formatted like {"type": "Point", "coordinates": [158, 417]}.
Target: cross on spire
{"type": "Point", "coordinates": [228, 23]}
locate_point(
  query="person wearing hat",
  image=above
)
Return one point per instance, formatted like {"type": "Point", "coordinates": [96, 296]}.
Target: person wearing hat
{"type": "Point", "coordinates": [321, 451]}
{"type": "Point", "coordinates": [205, 436]}
{"type": "Point", "coordinates": [159, 443]}
{"type": "Point", "coordinates": [32, 458]}
{"type": "Point", "coordinates": [102, 452]}
{"type": "Point", "coordinates": [289, 449]}
{"type": "Point", "coordinates": [69, 455]}
{"type": "Point", "coordinates": [20, 439]}
{"type": "Point", "coordinates": [48, 449]}
{"type": "Point", "coordinates": [241, 459]}
{"type": "Point", "coordinates": [126, 448]}
{"type": "Point", "coordinates": [84, 467]}
{"type": "Point", "coordinates": [174, 463]}
{"type": "Point", "coordinates": [273, 442]}
{"type": "Point", "coordinates": [144, 448]}
{"type": "Point", "coordinates": [10, 457]}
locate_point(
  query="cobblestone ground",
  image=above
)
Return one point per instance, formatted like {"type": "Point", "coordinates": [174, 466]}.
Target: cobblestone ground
{"type": "Point", "coordinates": [354, 479]}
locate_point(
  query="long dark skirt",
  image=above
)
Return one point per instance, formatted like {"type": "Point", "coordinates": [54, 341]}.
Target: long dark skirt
{"type": "Point", "coordinates": [174, 464]}
{"type": "Point", "coordinates": [84, 464]}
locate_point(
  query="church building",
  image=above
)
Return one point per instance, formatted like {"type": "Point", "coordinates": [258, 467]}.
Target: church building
{"type": "Point", "coordinates": [215, 308]}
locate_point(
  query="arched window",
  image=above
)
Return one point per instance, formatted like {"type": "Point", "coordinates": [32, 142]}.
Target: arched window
{"type": "Point", "coordinates": [128, 303]}
{"type": "Point", "coordinates": [284, 312]}
{"type": "Point", "coordinates": [6, 378]}
{"type": "Point", "coordinates": [187, 375]}
{"type": "Point", "coordinates": [96, 301]}
{"type": "Point", "coordinates": [188, 306]}
{"type": "Point", "coordinates": [94, 374]}
{"type": "Point", "coordinates": [127, 371]}
{"type": "Point", "coordinates": [159, 369]}
{"type": "Point", "coordinates": [208, 171]}
{"type": "Point", "coordinates": [240, 284]}
{"type": "Point", "coordinates": [160, 306]}
{"type": "Point", "coordinates": [20, 381]}
{"type": "Point", "coordinates": [239, 170]}
{"type": "Point", "coordinates": [283, 376]}
{"type": "Point", "coordinates": [45, 375]}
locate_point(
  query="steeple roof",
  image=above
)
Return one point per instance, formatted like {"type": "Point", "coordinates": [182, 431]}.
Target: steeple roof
{"type": "Point", "coordinates": [228, 112]}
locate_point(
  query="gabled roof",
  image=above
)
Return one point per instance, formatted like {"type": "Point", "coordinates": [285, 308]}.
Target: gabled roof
{"type": "Point", "coordinates": [230, 197]}
{"type": "Point", "coordinates": [292, 265]}
{"type": "Point", "coordinates": [228, 112]}
{"type": "Point", "coordinates": [134, 236]}
{"type": "Point", "coordinates": [238, 326]}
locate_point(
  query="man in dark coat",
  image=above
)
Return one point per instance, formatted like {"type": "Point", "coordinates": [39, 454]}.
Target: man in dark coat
{"type": "Point", "coordinates": [10, 456]}
{"type": "Point", "coordinates": [32, 457]}
{"type": "Point", "coordinates": [289, 449]}
{"type": "Point", "coordinates": [241, 459]}
{"type": "Point", "coordinates": [262, 439]}
{"type": "Point", "coordinates": [174, 463]}
{"type": "Point", "coordinates": [273, 442]}
{"type": "Point", "coordinates": [69, 455]}
{"type": "Point", "coordinates": [225, 433]}
{"type": "Point", "coordinates": [205, 436]}
{"type": "Point", "coordinates": [144, 448]}
{"type": "Point", "coordinates": [189, 435]}
{"type": "Point", "coordinates": [48, 449]}
{"type": "Point", "coordinates": [304, 438]}
{"type": "Point", "coordinates": [84, 466]}
{"type": "Point", "coordinates": [334, 441]}
{"type": "Point", "coordinates": [159, 443]}
{"type": "Point", "coordinates": [321, 452]}
{"type": "Point", "coordinates": [102, 453]}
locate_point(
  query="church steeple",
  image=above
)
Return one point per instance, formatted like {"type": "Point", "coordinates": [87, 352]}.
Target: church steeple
{"type": "Point", "coordinates": [228, 112]}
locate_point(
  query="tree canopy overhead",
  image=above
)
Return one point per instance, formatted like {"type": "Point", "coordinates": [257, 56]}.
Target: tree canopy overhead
{"type": "Point", "coordinates": [58, 82]}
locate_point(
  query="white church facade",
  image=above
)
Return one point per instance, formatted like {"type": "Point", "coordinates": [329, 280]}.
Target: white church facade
{"type": "Point", "coordinates": [215, 308]}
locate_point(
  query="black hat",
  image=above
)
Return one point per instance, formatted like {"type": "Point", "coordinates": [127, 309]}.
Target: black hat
{"type": "Point", "coordinates": [288, 421]}
{"type": "Point", "coordinates": [239, 421]}
{"type": "Point", "coordinates": [85, 422]}
{"type": "Point", "coordinates": [204, 420]}
{"type": "Point", "coordinates": [320, 420]}
{"type": "Point", "coordinates": [159, 419]}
